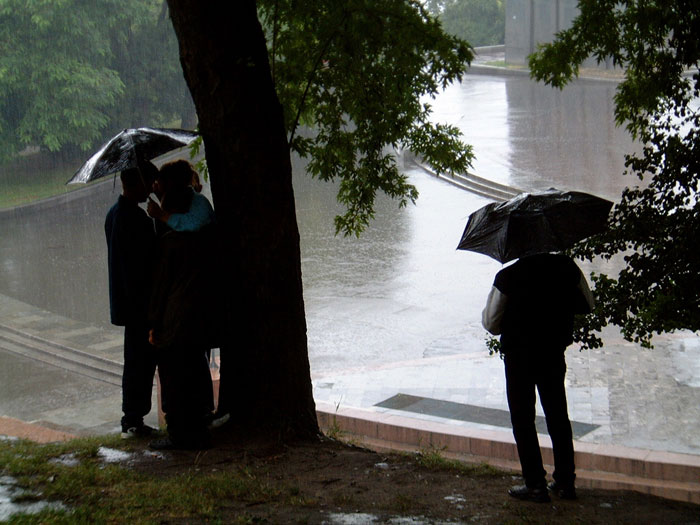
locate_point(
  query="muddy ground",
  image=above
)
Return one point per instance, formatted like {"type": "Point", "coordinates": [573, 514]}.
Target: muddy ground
{"type": "Point", "coordinates": [327, 481]}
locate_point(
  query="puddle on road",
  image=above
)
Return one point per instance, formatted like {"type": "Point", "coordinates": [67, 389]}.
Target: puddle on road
{"type": "Point", "coordinates": [9, 492]}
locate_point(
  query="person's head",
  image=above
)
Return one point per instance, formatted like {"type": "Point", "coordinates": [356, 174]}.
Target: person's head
{"type": "Point", "coordinates": [175, 174]}
{"type": "Point", "coordinates": [176, 200]}
{"type": "Point", "coordinates": [137, 182]}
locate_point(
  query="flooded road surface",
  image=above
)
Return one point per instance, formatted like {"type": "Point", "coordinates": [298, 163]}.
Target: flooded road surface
{"type": "Point", "coordinates": [525, 135]}
{"type": "Point", "coordinates": [54, 255]}
{"type": "Point", "coordinates": [402, 281]}
{"type": "Point", "coordinates": [532, 136]}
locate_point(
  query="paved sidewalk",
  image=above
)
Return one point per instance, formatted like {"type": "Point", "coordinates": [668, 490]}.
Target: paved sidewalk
{"type": "Point", "coordinates": [636, 413]}
{"type": "Point", "coordinates": [618, 395]}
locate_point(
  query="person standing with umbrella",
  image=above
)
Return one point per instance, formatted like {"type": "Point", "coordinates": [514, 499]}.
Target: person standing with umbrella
{"type": "Point", "coordinates": [131, 240]}
{"type": "Point", "coordinates": [532, 305]}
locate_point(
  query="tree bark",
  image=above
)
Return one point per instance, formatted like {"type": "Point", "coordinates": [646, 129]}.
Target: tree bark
{"type": "Point", "coordinates": [265, 379]}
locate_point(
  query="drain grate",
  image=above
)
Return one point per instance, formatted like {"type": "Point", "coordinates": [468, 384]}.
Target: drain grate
{"type": "Point", "coordinates": [469, 413]}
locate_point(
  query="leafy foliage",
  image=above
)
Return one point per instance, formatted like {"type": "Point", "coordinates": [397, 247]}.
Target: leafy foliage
{"type": "Point", "coordinates": [480, 22]}
{"type": "Point", "coordinates": [73, 70]}
{"type": "Point", "coordinates": [656, 225]}
{"type": "Point", "coordinates": [356, 75]}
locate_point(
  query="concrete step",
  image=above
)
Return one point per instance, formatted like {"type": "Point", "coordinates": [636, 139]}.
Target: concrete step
{"type": "Point", "coordinates": [472, 183]}
{"type": "Point", "coordinates": [62, 356]}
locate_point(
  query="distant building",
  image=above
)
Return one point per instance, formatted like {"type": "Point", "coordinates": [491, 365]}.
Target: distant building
{"type": "Point", "coordinates": [529, 22]}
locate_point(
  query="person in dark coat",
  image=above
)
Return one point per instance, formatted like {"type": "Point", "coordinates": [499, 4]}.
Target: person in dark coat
{"type": "Point", "coordinates": [532, 306]}
{"type": "Point", "coordinates": [130, 247]}
{"type": "Point", "coordinates": [182, 318]}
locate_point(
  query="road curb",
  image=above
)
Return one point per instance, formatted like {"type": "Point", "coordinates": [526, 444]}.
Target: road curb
{"type": "Point", "coordinates": [612, 467]}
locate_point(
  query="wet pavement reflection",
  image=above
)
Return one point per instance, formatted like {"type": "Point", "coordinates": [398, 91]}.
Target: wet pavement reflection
{"type": "Point", "coordinates": [532, 136]}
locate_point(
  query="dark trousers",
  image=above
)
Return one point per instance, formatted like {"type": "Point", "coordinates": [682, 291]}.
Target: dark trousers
{"type": "Point", "coordinates": [545, 371]}
{"type": "Point", "coordinates": [186, 391]}
{"type": "Point", "coordinates": [137, 376]}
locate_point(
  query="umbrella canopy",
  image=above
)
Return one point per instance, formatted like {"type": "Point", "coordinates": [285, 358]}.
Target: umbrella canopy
{"type": "Point", "coordinates": [531, 223]}
{"type": "Point", "coordinates": [126, 148]}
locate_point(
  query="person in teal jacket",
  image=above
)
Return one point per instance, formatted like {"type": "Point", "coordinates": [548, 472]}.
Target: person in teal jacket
{"type": "Point", "coordinates": [200, 212]}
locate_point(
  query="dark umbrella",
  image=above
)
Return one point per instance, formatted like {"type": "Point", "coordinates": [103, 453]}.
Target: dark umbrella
{"type": "Point", "coordinates": [531, 223]}
{"type": "Point", "coordinates": [129, 147]}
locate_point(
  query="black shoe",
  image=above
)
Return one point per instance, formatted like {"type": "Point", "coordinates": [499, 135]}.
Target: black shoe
{"type": "Point", "coordinates": [137, 431]}
{"type": "Point", "coordinates": [523, 492]}
{"type": "Point", "coordinates": [217, 420]}
{"type": "Point", "coordinates": [562, 491]}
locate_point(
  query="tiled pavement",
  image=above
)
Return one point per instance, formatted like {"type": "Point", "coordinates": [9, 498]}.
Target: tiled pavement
{"type": "Point", "coordinates": [628, 396]}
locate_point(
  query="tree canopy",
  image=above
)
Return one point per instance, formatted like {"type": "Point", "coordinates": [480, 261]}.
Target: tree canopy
{"type": "Point", "coordinates": [72, 71]}
{"type": "Point", "coordinates": [358, 75]}
{"type": "Point", "coordinates": [355, 79]}
{"type": "Point", "coordinates": [656, 224]}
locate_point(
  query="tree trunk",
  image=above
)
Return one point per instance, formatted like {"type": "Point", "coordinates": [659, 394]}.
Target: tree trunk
{"type": "Point", "coordinates": [265, 380]}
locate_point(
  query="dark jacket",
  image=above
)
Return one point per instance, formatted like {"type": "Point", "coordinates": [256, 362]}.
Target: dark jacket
{"type": "Point", "coordinates": [543, 293]}
{"type": "Point", "coordinates": [184, 306]}
{"type": "Point", "coordinates": [130, 247]}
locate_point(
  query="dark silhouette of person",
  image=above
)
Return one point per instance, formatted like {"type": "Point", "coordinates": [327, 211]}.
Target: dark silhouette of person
{"type": "Point", "coordinates": [200, 213]}
{"type": "Point", "coordinates": [182, 314]}
{"type": "Point", "coordinates": [130, 247]}
{"type": "Point", "coordinates": [532, 306]}
{"type": "Point", "coordinates": [181, 174]}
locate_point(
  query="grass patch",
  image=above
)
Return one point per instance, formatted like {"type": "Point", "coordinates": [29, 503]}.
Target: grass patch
{"type": "Point", "coordinates": [403, 503]}
{"type": "Point", "coordinates": [431, 457]}
{"type": "Point", "coordinates": [98, 492]}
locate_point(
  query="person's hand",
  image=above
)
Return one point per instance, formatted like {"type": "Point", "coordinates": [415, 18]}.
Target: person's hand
{"type": "Point", "coordinates": [154, 210]}
{"type": "Point", "coordinates": [151, 337]}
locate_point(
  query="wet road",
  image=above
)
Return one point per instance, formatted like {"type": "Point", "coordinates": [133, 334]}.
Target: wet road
{"type": "Point", "coordinates": [524, 134]}
{"type": "Point", "coordinates": [531, 136]}
{"type": "Point", "coordinates": [401, 292]}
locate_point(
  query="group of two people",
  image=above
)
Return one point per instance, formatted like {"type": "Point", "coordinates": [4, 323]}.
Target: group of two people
{"type": "Point", "coordinates": [161, 289]}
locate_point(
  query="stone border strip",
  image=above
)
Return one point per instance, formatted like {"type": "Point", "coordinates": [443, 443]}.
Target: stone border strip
{"type": "Point", "coordinates": [15, 428]}
{"type": "Point", "coordinates": [611, 467]}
